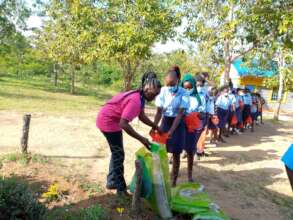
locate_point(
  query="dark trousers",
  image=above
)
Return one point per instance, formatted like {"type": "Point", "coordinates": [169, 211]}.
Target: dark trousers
{"type": "Point", "coordinates": [116, 168]}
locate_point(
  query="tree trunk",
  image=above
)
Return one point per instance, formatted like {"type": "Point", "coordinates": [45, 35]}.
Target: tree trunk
{"type": "Point", "coordinates": [128, 77]}
{"type": "Point", "coordinates": [25, 132]}
{"type": "Point", "coordinates": [227, 59]}
{"type": "Point", "coordinates": [72, 86]}
{"type": "Point", "coordinates": [55, 74]}
{"type": "Point", "coordinates": [281, 62]}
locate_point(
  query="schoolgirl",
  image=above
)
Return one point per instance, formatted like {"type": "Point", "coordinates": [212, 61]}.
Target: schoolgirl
{"type": "Point", "coordinates": [172, 103]}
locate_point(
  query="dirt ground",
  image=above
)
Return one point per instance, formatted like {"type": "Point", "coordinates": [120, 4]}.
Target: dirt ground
{"type": "Point", "coordinates": [244, 176]}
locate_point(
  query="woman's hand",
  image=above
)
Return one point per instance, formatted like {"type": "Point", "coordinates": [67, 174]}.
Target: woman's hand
{"type": "Point", "coordinates": [145, 142]}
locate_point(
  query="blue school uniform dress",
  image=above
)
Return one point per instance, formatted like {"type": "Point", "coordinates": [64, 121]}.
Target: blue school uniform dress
{"type": "Point", "coordinates": [202, 91]}
{"type": "Point", "coordinates": [247, 106]}
{"type": "Point", "coordinates": [170, 102]}
{"type": "Point", "coordinates": [254, 108]}
{"type": "Point", "coordinates": [288, 158]}
{"type": "Point", "coordinates": [222, 104]}
{"type": "Point", "coordinates": [238, 109]}
{"type": "Point", "coordinates": [211, 111]}
{"type": "Point", "coordinates": [191, 138]}
{"type": "Point", "coordinates": [232, 101]}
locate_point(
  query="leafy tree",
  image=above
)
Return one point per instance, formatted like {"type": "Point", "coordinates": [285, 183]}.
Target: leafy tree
{"type": "Point", "coordinates": [13, 14]}
{"type": "Point", "coordinates": [273, 21]}
{"type": "Point", "coordinates": [219, 29]}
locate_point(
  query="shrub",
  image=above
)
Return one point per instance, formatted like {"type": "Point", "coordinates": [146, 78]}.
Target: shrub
{"type": "Point", "coordinates": [17, 201]}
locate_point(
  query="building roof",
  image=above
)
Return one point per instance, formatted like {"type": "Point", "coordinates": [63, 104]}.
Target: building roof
{"type": "Point", "coordinates": [254, 70]}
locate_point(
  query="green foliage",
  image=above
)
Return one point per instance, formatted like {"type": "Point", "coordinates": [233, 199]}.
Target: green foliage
{"type": "Point", "coordinates": [122, 32]}
{"type": "Point", "coordinates": [94, 212]}
{"type": "Point", "coordinates": [92, 188]}
{"type": "Point", "coordinates": [37, 158]}
{"type": "Point", "coordinates": [23, 159]}
{"type": "Point", "coordinates": [17, 202]}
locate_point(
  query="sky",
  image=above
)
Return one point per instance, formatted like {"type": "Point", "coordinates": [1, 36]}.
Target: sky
{"type": "Point", "coordinates": [171, 45]}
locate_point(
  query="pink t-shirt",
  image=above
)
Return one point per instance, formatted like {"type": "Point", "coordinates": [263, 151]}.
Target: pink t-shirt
{"type": "Point", "coordinates": [118, 107]}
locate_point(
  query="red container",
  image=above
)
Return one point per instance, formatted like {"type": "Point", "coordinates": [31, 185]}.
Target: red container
{"type": "Point", "coordinates": [249, 120]}
{"type": "Point", "coordinates": [234, 120]}
{"type": "Point", "coordinates": [192, 121]}
{"type": "Point", "coordinates": [159, 138]}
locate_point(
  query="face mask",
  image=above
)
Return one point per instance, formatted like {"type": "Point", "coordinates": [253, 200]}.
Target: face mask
{"type": "Point", "coordinates": [190, 91]}
{"type": "Point", "coordinates": [200, 89]}
{"type": "Point", "coordinates": [172, 89]}
{"type": "Point", "coordinates": [226, 94]}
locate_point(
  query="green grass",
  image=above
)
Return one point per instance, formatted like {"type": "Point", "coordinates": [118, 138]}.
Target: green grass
{"type": "Point", "coordinates": [94, 212]}
{"type": "Point", "coordinates": [38, 94]}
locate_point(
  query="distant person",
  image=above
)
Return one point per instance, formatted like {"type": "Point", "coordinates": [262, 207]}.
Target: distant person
{"type": "Point", "coordinates": [171, 104]}
{"type": "Point", "coordinates": [247, 99]}
{"type": "Point", "coordinates": [222, 105]}
{"type": "Point", "coordinates": [116, 116]}
{"type": "Point", "coordinates": [288, 161]}
{"type": "Point", "coordinates": [261, 102]}
{"type": "Point", "coordinates": [212, 115]}
{"type": "Point", "coordinates": [230, 83]}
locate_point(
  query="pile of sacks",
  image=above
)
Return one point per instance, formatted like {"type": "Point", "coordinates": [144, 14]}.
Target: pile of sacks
{"type": "Point", "coordinates": [186, 198]}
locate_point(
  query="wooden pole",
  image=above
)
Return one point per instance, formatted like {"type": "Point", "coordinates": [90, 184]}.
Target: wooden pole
{"type": "Point", "coordinates": [25, 132]}
{"type": "Point", "coordinates": [136, 195]}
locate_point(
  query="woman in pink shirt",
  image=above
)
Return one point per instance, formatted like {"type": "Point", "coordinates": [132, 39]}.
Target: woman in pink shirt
{"type": "Point", "coordinates": [116, 115]}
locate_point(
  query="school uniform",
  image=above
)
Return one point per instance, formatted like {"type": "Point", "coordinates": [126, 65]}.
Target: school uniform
{"type": "Point", "coordinates": [222, 104]}
{"type": "Point", "coordinates": [238, 109]}
{"type": "Point", "coordinates": [247, 106]}
{"type": "Point", "coordinates": [254, 108]}
{"type": "Point", "coordinates": [232, 101]}
{"type": "Point", "coordinates": [171, 102]}
{"type": "Point", "coordinates": [211, 111]}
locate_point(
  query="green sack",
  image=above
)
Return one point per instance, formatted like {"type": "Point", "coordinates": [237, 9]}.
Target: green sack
{"type": "Point", "coordinates": [146, 186]}
{"type": "Point", "coordinates": [156, 172]}
{"type": "Point", "coordinates": [189, 198]}
{"type": "Point", "coordinates": [211, 216]}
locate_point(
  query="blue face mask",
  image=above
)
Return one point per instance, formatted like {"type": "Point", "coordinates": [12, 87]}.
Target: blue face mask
{"type": "Point", "coordinates": [200, 89]}
{"type": "Point", "coordinates": [190, 91]}
{"type": "Point", "coordinates": [173, 89]}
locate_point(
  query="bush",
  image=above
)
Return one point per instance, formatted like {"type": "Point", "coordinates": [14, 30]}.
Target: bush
{"type": "Point", "coordinates": [17, 201]}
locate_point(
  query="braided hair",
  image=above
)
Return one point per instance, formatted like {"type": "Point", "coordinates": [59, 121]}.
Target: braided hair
{"type": "Point", "coordinates": [149, 80]}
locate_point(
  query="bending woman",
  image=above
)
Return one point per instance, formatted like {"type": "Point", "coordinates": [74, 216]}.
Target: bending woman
{"type": "Point", "coordinates": [116, 115]}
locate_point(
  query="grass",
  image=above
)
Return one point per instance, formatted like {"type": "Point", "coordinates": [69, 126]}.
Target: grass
{"type": "Point", "coordinates": [38, 94]}
{"type": "Point", "coordinates": [94, 212]}
{"type": "Point", "coordinates": [23, 159]}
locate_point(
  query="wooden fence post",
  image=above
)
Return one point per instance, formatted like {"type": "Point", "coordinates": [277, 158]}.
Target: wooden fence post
{"type": "Point", "coordinates": [136, 195]}
{"type": "Point", "coordinates": [25, 132]}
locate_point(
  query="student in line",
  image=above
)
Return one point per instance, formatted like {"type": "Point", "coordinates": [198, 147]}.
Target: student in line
{"type": "Point", "coordinates": [116, 115]}
{"type": "Point", "coordinates": [192, 121]}
{"type": "Point", "coordinates": [172, 103]}
{"type": "Point", "coordinates": [247, 108]}
{"type": "Point", "coordinates": [212, 115]}
{"type": "Point", "coordinates": [222, 105]}
{"type": "Point", "coordinates": [203, 94]}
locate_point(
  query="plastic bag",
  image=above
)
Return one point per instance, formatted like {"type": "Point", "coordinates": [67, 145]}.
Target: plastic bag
{"type": "Point", "coordinates": [159, 138]}
{"type": "Point", "coordinates": [210, 216]}
{"type": "Point", "coordinates": [234, 120]}
{"type": "Point", "coordinates": [249, 120]}
{"type": "Point", "coordinates": [157, 169]}
{"type": "Point", "coordinates": [192, 121]}
{"type": "Point", "coordinates": [189, 198]}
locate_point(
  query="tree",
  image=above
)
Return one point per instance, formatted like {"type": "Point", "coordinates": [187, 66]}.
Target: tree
{"type": "Point", "coordinates": [118, 31]}
{"type": "Point", "coordinates": [273, 21]}
{"type": "Point", "coordinates": [13, 14]}
{"type": "Point", "coordinates": [219, 29]}
{"type": "Point", "coordinates": [132, 28]}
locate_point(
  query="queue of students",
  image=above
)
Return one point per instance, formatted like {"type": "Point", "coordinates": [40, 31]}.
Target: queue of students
{"type": "Point", "coordinates": [188, 109]}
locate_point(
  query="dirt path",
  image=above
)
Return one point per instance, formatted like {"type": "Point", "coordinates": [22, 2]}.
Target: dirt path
{"type": "Point", "coordinates": [245, 176]}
